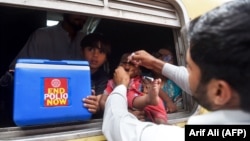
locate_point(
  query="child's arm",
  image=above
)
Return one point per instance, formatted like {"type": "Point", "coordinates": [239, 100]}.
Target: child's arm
{"type": "Point", "coordinates": [109, 88]}
{"type": "Point", "coordinates": [103, 101]}
{"type": "Point", "coordinates": [152, 98]}
{"type": "Point", "coordinates": [140, 102]}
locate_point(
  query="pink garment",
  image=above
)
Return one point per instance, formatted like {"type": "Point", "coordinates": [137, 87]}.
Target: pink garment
{"type": "Point", "coordinates": [134, 90]}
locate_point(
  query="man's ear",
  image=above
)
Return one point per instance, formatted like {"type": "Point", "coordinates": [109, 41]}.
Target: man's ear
{"type": "Point", "coordinates": [223, 92]}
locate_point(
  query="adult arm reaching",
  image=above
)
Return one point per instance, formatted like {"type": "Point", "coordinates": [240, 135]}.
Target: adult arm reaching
{"type": "Point", "coordinates": [120, 125]}
{"type": "Point", "coordinates": [178, 74]}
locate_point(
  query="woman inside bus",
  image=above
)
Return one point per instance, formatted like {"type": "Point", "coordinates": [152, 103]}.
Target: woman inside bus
{"type": "Point", "coordinates": [170, 93]}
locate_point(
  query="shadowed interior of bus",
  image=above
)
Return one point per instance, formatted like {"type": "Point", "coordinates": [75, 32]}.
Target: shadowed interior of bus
{"type": "Point", "coordinates": [17, 25]}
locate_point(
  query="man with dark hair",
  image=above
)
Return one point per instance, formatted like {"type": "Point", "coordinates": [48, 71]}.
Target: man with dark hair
{"type": "Point", "coordinates": [217, 76]}
{"type": "Point", "coordinates": [59, 42]}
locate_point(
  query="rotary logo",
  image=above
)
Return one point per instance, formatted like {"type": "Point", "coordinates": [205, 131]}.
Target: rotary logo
{"type": "Point", "coordinates": [56, 92]}
{"type": "Point", "coordinates": [56, 83]}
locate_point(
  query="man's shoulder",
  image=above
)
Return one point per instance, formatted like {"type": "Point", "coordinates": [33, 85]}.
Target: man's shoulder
{"type": "Point", "coordinates": [48, 28]}
{"type": "Point", "coordinates": [48, 32]}
{"type": "Point", "coordinates": [221, 117]}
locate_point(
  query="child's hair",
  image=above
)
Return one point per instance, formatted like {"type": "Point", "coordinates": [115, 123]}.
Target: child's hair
{"type": "Point", "coordinates": [96, 40]}
{"type": "Point", "coordinates": [124, 57]}
{"type": "Point", "coordinates": [124, 60]}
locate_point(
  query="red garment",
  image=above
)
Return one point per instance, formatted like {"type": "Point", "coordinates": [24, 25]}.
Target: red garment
{"type": "Point", "coordinates": [156, 111]}
{"type": "Point", "coordinates": [134, 90]}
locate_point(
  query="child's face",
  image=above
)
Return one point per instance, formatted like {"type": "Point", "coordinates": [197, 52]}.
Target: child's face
{"type": "Point", "coordinates": [145, 88]}
{"type": "Point", "coordinates": [94, 56]}
{"type": "Point", "coordinates": [145, 85]}
{"type": "Point", "coordinates": [130, 68]}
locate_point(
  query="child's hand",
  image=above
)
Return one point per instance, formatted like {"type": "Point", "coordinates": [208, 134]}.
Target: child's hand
{"type": "Point", "coordinates": [139, 114]}
{"type": "Point", "coordinates": [171, 107]}
{"type": "Point", "coordinates": [91, 103]}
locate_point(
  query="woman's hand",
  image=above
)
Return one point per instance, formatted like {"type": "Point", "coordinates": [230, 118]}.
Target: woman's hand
{"type": "Point", "coordinates": [171, 107]}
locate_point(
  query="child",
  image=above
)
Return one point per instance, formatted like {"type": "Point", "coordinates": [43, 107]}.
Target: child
{"type": "Point", "coordinates": [151, 104]}
{"type": "Point", "coordinates": [95, 49]}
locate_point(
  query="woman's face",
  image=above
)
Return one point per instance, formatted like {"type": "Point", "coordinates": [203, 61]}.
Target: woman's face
{"type": "Point", "coordinates": [166, 56]}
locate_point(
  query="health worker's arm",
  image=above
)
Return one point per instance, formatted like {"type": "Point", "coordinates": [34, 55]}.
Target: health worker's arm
{"type": "Point", "coordinates": [120, 125]}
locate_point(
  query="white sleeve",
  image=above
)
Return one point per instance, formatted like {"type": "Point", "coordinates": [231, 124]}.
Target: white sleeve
{"type": "Point", "coordinates": [163, 133]}
{"type": "Point", "coordinates": [120, 125]}
{"type": "Point", "coordinates": [178, 74]}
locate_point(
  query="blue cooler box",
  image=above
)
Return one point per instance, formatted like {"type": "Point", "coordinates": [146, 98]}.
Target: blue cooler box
{"type": "Point", "coordinates": [50, 92]}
